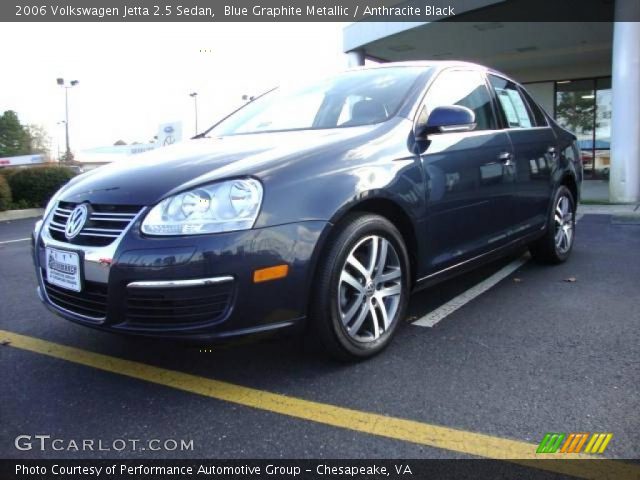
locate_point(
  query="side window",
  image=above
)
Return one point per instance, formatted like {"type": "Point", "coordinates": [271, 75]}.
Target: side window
{"type": "Point", "coordinates": [511, 102]}
{"type": "Point", "coordinates": [464, 88]}
{"type": "Point", "coordinates": [538, 115]}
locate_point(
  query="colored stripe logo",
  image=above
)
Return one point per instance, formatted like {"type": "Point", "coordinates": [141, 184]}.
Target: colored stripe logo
{"type": "Point", "coordinates": [596, 443]}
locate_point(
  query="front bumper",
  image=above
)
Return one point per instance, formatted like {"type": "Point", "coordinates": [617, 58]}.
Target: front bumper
{"type": "Point", "coordinates": [198, 287]}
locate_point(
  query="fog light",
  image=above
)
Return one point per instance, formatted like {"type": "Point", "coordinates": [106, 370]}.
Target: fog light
{"type": "Point", "coordinates": [270, 273]}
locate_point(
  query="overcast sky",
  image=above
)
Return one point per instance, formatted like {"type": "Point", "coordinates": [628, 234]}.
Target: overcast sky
{"type": "Point", "coordinates": [134, 76]}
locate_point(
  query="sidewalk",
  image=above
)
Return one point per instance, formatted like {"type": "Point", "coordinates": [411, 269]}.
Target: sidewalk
{"type": "Point", "coordinates": [624, 210]}
{"type": "Point", "coordinates": [20, 214]}
{"type": "Point", "coordinates": [595, 191]}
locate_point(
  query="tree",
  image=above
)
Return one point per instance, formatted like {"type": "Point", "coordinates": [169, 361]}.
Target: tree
{"type": "Point", "coordinates": [14, 137]}
{"type": "Point", "coordinates": [40, 140]}
{"type": "Point", "coordinates": [67, 157]}
{"type": "Point", "coordinates": [120, 143]}
{"type": "Point", "coordinates": [575, 111]}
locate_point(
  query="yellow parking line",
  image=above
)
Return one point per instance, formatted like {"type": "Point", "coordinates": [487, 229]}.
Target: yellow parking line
{"type": "Point", "coordinates": [470, 443]}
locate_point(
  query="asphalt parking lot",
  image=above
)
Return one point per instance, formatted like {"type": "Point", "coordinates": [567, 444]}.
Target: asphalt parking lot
{"type": "Point", "coordinates": [547, 349]}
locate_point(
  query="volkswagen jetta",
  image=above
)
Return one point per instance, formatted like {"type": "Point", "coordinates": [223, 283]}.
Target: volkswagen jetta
{"type": "Point", "coordinates": [322, 206]}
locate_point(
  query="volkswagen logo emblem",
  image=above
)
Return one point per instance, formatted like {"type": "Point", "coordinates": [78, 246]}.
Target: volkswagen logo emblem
{"type": "Point", "coordinates": [75, 222]}
{"type": "Point", "coordinates": [369, 289]}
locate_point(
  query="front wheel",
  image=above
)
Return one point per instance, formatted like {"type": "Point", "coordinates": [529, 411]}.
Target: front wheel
{"type": "Point", "coordinates": [361, 289]}
{"type": "Point", "coordinates": [557, 242]}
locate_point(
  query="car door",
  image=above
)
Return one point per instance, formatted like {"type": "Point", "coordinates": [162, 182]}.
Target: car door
{"type": "Point", "coordinates": [468, 187]}
{"type": "Point", "coordinates": [535, 154]}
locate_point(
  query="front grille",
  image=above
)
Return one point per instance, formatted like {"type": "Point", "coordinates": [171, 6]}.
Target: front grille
{"type": "Point", "coordinates": [163, 307]}
{"type": "Point", "coordinates": [90, 302]}
{"type": "Point", "coordinates": [105, 223]}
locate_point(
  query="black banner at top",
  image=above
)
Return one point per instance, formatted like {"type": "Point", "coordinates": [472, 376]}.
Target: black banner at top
{"type": "Point", "coordinates": [319, 10]}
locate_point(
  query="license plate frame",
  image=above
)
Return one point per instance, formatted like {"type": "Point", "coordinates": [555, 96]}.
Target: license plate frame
{"type": "Point", "coordinates": [63, 269]}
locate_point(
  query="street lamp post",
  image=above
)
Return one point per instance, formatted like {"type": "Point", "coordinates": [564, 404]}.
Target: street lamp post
{"type": "Point", "coordinates": [71, 84]}
{"type": "Point", "coordinates": [61, 122]}
{"type": "Point", "coordinates": [194, 95]}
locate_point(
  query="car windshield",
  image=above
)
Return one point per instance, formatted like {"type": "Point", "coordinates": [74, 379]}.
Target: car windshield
{"type": "Point", "coordinates": [361, 97]}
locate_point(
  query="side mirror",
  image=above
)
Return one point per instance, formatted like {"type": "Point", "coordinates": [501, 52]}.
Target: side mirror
{"type": "Point", "coordinates": [450, 118]}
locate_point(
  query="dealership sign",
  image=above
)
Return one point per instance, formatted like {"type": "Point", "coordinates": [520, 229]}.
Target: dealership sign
{"type": "Point", "coordinates": [169, 133]}
{"type": "Point", "coordinates": [21, 160]}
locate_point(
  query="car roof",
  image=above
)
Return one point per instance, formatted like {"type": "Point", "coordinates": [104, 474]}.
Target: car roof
{"type": "Point", "coordinates": [437, 64]}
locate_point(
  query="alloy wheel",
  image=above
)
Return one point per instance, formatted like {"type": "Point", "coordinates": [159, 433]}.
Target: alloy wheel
{"type": "Point", "coordinates": [563, 221]}
{"type": "Point", "coordinates": [369, 288]}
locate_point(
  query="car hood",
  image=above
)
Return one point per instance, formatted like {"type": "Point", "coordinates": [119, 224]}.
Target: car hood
{"type": "Point", "coordinates": [146, 178]}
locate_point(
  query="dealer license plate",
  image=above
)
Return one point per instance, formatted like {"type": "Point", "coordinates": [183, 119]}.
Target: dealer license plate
{"type": "Point", "coordinates": [63, 269]}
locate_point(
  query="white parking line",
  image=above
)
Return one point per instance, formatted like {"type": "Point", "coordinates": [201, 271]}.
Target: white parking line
{"type": "Point", "coordinates": [443, 311]}
{"type": "Point", "coordinates": [433, 317]}
{"type": "Point", "coordinates": [14, 241]}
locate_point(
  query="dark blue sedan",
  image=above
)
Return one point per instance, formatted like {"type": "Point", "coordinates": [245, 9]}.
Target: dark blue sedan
{"type": "Point", "coordinates": [320, 207]}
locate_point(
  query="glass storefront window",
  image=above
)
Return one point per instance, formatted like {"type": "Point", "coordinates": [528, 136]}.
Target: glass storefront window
{"type": "Point", "coordinates": [584, 107]}
{"type": "Point", "coordinates": [602, 146]}
{"type": "Point", "coordinates": [575, 108]}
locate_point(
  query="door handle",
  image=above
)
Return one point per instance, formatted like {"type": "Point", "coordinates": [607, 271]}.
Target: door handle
{"type": "Point", "coordinates": [506, 158]}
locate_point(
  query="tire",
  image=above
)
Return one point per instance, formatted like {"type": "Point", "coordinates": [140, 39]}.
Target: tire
{"type": "Point", "coordinates": [348, 287]}
{"type": "Point", "coordinates": [555, 247]}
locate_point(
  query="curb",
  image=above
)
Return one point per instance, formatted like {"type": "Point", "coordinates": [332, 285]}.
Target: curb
{"type": "Point", "coordinates": [20, 214]}
{"type": "Point", "coordinates": [603, 209]}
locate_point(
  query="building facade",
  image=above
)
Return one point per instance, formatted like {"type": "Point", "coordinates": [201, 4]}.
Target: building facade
{"type": "Point", "coordinates": [585, 74]}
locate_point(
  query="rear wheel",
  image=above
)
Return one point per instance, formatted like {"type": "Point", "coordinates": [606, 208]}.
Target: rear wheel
{"type": "Point", "coordinates": [556, 244]}
{"type": "Point", "coordinates": [362, 288]}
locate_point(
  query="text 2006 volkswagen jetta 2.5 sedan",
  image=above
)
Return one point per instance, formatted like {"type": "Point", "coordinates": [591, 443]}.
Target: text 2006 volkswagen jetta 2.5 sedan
{"type": "Point", "coordinates": [322, 206]}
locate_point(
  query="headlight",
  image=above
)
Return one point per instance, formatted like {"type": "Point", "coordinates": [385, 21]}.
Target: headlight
{"type": "Point", "coordinates": [220, 207]}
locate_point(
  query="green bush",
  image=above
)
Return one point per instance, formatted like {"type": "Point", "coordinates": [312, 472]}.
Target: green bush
{"type": "Point", "coordinates": [21, 205]}
{"type": "Point", "coordinates": [6, 172]}
{"type": "Point", "coordinates": [35, 186]}
{"type": "Point", "coordinates": [5, 194]}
